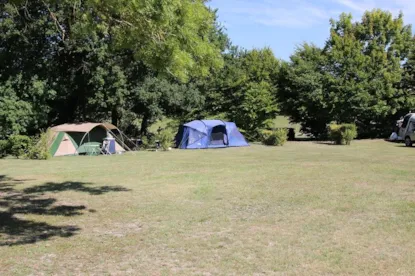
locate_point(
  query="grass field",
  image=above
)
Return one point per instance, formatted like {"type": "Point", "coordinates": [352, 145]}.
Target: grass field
{"type": "Point", "coordinates": [306, 209]}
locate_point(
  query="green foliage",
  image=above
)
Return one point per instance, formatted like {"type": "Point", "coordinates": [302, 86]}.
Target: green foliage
{"type": "Point", "coordinates": [20, 145]}
{"type": "Point", "coordinates": [89, 61]}
{"type": "Point", "coordinates": [177, 37]}
{"type": "Point", "coordinates": [258, 108]}
{"type": "Point", "coordinates": [301, 93]}
{"type": "Point", "coordinates": [357, 77]}
{"type": "Point", "coordinates": [146, 143]}
{"type": "Point", "coordinates": [40, 150]}
{"type": "Point", "coordinates": [23, 105]}
{"type": "Point", "coordinates": [130, 61]}
{"type": "Point", "coordinates": [166, 138]}
{"type": "Point", "coordinates": [4, 148]}
{"type": "Point", "coordinates": [277, 137]}
{"type": "Point", "coordinates": [408, 82]}
{"type": "Point", "coordinates": [244, 91]}
{"type": "Point", "coordinates": [156, 97]}
{"type": "Point", "coordinates": [149, 141]}
{"type": "Point", "coordinates": [350, 133]}
{"type": "Point", "coordinates": [342, 134]}
{"type": "Point", "coordinates": [335, 134]}
{"type": "Point", "coordinates": [174, 36]}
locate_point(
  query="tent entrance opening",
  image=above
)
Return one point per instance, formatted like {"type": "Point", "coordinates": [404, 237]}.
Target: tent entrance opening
{"type": "Point", "coordinates": [219, 136]}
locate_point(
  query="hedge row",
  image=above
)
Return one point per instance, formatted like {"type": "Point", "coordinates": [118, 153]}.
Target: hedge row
{"type": "Point", "coordinates": [24, 147]}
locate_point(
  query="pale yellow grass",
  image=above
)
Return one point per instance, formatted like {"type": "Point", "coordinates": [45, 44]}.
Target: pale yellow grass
{"type": "Point", "coordinates": [302, 209]}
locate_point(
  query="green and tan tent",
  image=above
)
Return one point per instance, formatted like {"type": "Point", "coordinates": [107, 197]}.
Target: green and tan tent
{"type": "Point", "coordinates": [78, 139]}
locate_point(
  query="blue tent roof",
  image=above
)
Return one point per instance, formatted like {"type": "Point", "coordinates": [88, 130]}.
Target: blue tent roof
{"type": "Point", "coordinates": [209, 134]}
{"type": "Point", "coordinates": [204, 125]}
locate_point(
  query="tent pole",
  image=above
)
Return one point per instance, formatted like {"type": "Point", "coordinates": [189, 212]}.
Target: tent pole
{"type": "Point", "coordinates": [121, 135]}
{"type": "Point", "coordinates": [119, 140]}
{"type": "Point", "coordinates": [183, 138]}
{"type": "Point", "coordinates": [125, 136]}
{"type": "Point", "coordinates": [227, 134]}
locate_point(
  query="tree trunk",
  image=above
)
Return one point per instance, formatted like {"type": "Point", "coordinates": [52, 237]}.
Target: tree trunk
{"type": "Point", "coordinates": [144, 126]}
{"type": "Point", "coordinates": [114, 116]}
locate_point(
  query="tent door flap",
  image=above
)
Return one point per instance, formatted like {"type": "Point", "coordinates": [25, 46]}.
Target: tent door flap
{"type": "Point", "coordinates": [219, 136]}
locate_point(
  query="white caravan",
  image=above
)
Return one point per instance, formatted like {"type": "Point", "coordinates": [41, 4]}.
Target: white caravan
{"type": "Point", "coordinates": [407, 130]}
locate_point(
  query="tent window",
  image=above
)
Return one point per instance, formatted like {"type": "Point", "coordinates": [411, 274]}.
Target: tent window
{"type": "Point", "coordinates": [218, 136]}
{"type": "Point", "coordinates": [195, 137]}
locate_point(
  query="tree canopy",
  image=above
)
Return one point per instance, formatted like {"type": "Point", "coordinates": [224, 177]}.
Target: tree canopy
{"type": "Point", "coordinates": [356, 78]}
{"type": "Point", "coordinates": [133, 62]}
{"type": "Point", "coordinates": [67, 61]}
{"type": "Point", "coordinates": [244, 91]}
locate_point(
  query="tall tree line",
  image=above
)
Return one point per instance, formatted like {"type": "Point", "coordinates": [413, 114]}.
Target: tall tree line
{"type": "Point", "coordinates": [140, 60]}
{"type": "Point", "coordinates": [69, 61]}
{"type": "Point", "coordinates": [363, 75]}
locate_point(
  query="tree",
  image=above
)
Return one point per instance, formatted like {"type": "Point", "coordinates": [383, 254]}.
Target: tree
{"type": "Point", "coordinates": [23, 106]}
{"type": "Point", "coordinates": [244, 90]}
{"type": "Point", "coordinates": [258, 108]}
{"type": "Point", "coordinates": [358, 77]}
{"type": "Point", "coordinates": [302, 92]}
{"type": "Point", "coordinates": [172, 36]}
{"type": "Point", "coordinates": [90, 57]}
{"type": "Point", "coordinates": [155, 97]}
{"type": "Point", "coordinates": [408, 82]}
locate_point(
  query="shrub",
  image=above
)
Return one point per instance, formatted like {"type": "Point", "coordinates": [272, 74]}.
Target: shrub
{"type": "Point", "coordinates": [4, 148]}
{"type": "Point", "coordinates": [20, 145]}
{"type": "Point", "coordinates": [266, 135]}
{"type": "Point", "coordinates": [350, 134]}
{"type": "Point", "coordinates": [335, 134]}
{"type": "Point", "coordinates": [166, 138]}
{"type": "Point", "coordinates": [41, 149]}
{"type": "Point", "coordinates": [342, 134]}
{"type": "Point", "coordinates": [144, 143]}
{"type": "Point", "coordinates": [276, 137]}
{"type": "Point", "coordinates": [252, 137]}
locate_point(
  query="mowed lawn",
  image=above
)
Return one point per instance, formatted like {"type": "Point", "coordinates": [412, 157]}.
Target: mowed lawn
{"type": "Point", "coordinates": [305, 208]}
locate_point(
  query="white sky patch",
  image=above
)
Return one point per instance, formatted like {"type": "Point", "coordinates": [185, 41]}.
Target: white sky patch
{"type": "Point", "coordinates": [394, 6]}
{"type": "Point", "coordinates": [294, 14]}
{"type": "Point", "coordinates": [308, 13]}
{"type": "Point", "coordinates": [359, 6]}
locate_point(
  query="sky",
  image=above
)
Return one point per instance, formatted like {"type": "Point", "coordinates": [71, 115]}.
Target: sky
{"type": "Point", "coordinates": [283, 25]}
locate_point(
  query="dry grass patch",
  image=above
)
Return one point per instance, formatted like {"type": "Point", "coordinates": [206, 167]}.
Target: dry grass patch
{"type": "Point", "coordinates": [304, 208]}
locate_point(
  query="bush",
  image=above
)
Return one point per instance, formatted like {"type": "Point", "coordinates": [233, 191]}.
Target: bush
{"type": "Point", "coordinates": [4, 148]}
{"type": "Point", "coordinates": [41, 149]}
{"type": "Point", "coordinates": [166, 138]}
{"type": "Point", "coordinates": [276, 137]}
{"type": "Point", "coordinates": [144, 143]}
{"type": "Point", "coordinates": [148, 142]}
{"type": "Point", "coordinates": [20, 145]}
{"type": "Point", "coordinates": [342, 134]}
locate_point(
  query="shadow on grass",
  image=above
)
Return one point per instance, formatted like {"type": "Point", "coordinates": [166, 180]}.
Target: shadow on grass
{"type": "Point", "coordinates": [403, 146]}
{"type": "Point", "coordinates": [74, 186]}
{"type": "Point", "coordinates": [303, 139]}
{"type": "Point", "coordinates": [398, 144]}
{"type": "Point", "coordinates": [326, 143]}
{"type": "Point", "coordinates": [17, 231]}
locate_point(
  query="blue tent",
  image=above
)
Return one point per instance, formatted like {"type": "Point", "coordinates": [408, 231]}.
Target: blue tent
{"type": "Point", "coordinates": [206, 134]}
